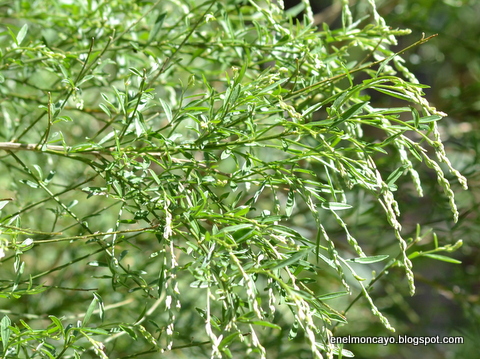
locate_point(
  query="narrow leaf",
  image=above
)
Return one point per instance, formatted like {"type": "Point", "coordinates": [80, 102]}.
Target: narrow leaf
{"type": "Point", "coordinates": [266, 324]}
{"type": "Point", "coordinates": [228, 339]}
{"type": "Point", "coordinates": [156, 27]}
{"type": "Point", "coordinates": [129, 331]}
{"type": "Point", "coordinates": [95, 331]}
{"type": "Point", "coordinates": [416, 117]}
{"type": "Point", "coordinates": [352, 111]}
{"type": "Point", "coordinates": [290, 203]}
{"type": "Point", "coordinates": [293, 330]}
{"type": "Point", "coordinates": [167, 109]}
{"type": "Point", "coordinates": [292, 259]}
{"type": "Point", "coordinates": [235, 228]}
{"type": "Point", "coordinates": [442, 258]}
{"type": "Point", "coordinates": [336, 206]}
{"type": "Point", "coordinates": [4, 202]}
{"type": "Point", "coordinates": [332, 295]}
{"type": "Point", "coordinates": [432, 118]}
{"type": "Point", "coordinates": [371, 259]}
{"type": "Point", "coordinates": [101, 307]}
{"type": "Point", "coordinates": [5, 331]}
{"type": "Point", "coordinates": [13, 36]}
{"type": "Point", "coordinates": [272, 86]}
{"type": "Point", "coordinates": [57, 322]}
{"type": "Point", "coordinates": [89, 312]}
{"type": "Point", "coordinates": [22, 33]}
{"type": "Point", "coordinates": [133, 70]}
{"type": "Point", "coordinates": [395, 175]}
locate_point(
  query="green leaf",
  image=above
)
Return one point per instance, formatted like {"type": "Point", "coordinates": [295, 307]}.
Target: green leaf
{"type": "Point", "coordinates": [241, 73]}
{"type": "Point", "coordinates": [396, 94]}
{"type": "Point", "coordinates": [105, 109]}
{"type": "Point", "coordinates": [12, 35]}
{"type": "Point", "coordinates": [63, 119]}
{"type": "Point", "coordinates": [286, 231]}
{"type": "Point", "coordinates": [332, 295]}
{"type": "Point", "coordinates": [161, 280]}
{"type": "Point", "coordinates": [89, 312]}
{"type": "Point", "coordinates": [231, 96]}
{"type": "Point", "coordinates": [228, 339]}
{"type": "Point", "coordinates": [129, 331]}
{"type": "Point", "coordinates": [21, 34]}
{"type": "Point", "coordinates": [352, 111]}
{"type": "Point", "coordinates": [167, 109]}
{"type": "Point", "coordinates": [134, 71]}
{"type": "Point", "coordinates": [293, 330]}
{"type": "Point", "coordinates": [366, 260]}
{"type": "Point", "coordinates": [396, 175]}
{"type": "Point", "coordinates": [337, 317]}
{"type": "Point", "coordinates": [416, 116]}
{"type": "Point", "coordinates": [97, 331]}
{"type": "Point", "coordinates": [290, 203]}
{"type": "Point", "coordinates": [272, 86]}
{"type": "Point", "coordinates": [312, 109]}
{"type": "Point", "coordinates": [328, 261]}
{"type": "Point", "coordinates": [290, 260]}
{"type": "Point", "coordinates": [4, 202]}
{"type": "Point", "coordinates": [130, 221]}
{"type": "Point", "coordinates": [85, 79]}
{"type": "Point", "coordinates": [47, 351]}
{"type": "Point", "coordinates": [337, 350]}
{"type": "Point", "coordinates": [266, 324]}
{"type": "Point", "coordinates": [235, 228]}
{"type": "Point", "coordinates": [141, 315]}
{"type": "Point", "coordinates": [225, 154]}
{"type": "Point", "coordinates": [156, 28]}
{"type": "Point", "coordinates": [120, 257]}
{"type": "Point", "coordinates": [423, 120]}
{"type": "Point", "coordinates": [336, 206]}
{"type": "Point", "coordinates": [101, 307]}
{"type": "Point", "coordinates": [392, 138]}
{"type": "Point", "coordinates": [5, 332]}
{"type": "Point", "coordinates": [58, 323]}
{"type": "Point", "coordinates": [414, 151]}
{"type": "Point", "coordinates": [241, 211]}
{"type": "Point", "coordinates": [304, 295]}
{"type": "Point", "coordinates": [432, 118]}
{"type": "Point", "coordinates": [441, 258]}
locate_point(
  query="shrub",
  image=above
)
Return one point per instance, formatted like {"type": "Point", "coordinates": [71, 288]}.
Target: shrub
{"type": "Point", "coordinates": [197, 172]}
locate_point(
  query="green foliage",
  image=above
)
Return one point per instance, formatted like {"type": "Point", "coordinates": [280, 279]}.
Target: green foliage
{"type": "Point", "coordinates": [450, 63]}
{"type": "Point", "coordinates": [196, 171]}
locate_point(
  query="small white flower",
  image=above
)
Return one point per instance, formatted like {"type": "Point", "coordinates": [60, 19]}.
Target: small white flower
{"type": "Point", "coordinates": [209, 17]}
